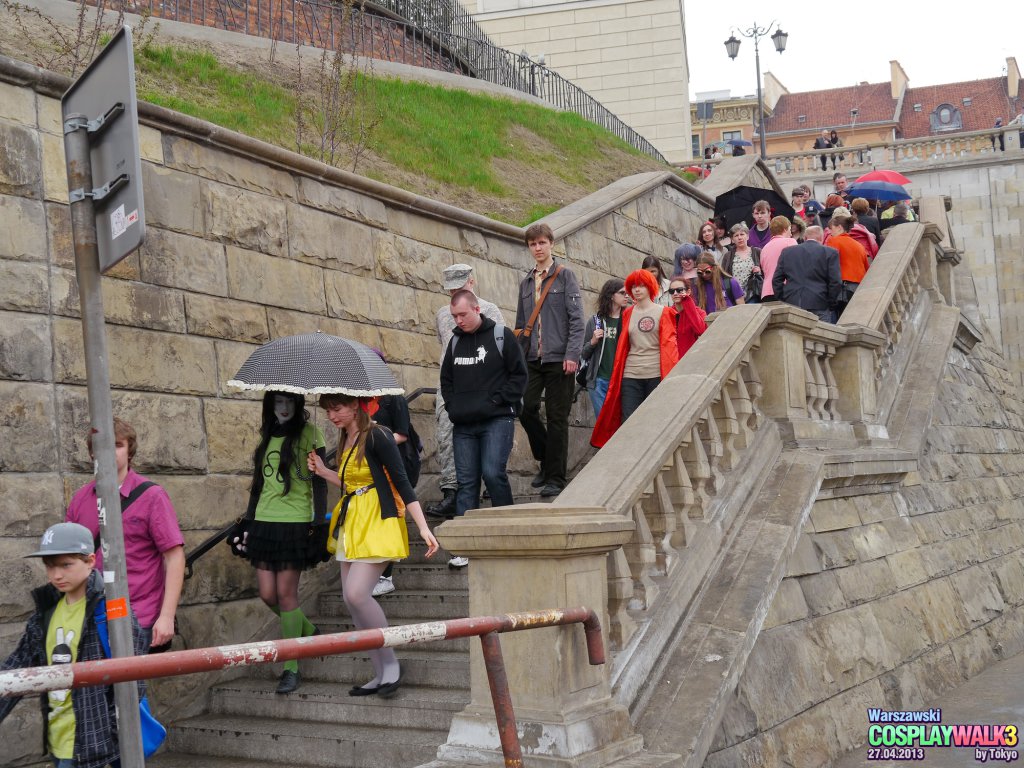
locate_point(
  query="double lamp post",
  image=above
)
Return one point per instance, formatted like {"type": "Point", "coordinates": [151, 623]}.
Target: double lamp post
{"type": "Point", "coordinates": [732, 47]}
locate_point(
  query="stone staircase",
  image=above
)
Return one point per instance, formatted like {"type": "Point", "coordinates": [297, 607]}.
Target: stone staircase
{"type": "Point", "coordinates": [246, 724]}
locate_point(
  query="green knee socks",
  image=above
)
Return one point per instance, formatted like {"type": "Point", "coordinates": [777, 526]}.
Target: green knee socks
{"type": "Point", "coordinates": [294, 624]}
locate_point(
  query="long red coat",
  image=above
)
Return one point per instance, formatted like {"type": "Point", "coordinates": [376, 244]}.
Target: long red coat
{"type": "Point", "coordinates": [610, 418]}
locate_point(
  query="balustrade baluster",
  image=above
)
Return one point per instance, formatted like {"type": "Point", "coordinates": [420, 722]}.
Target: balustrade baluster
{"type": "Point", "coordinates": [661, 517]}
{"type": "Point", "coordinates": [817, 392]}
{"type": "Point", "coordinates": [752, 381]}
{"type": "Point", "coordinates": [620, 595]}
{"type": "Point", "coordinates": [642, 557]}
{"type": "Point", "coordinates": [680, 490]}
{"type": "Point", "coordinates": [728, 429]}
{"type": "Point", "coordinates": [832, 401]}
{"type": "Point", "coordinates": [744, 408]}
{"type": "Point", "coordinates": [707, 427]}
{"type": "Point", "coordinates": [699, 469]}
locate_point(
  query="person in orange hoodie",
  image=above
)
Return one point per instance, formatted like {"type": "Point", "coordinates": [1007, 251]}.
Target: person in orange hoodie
{"type": "Point", "coordinates": [853, 259]}
{"type": "Point", "coordinates": [646, 352]}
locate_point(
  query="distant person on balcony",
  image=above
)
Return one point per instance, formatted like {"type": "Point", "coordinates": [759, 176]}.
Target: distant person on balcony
{"type": "Point", "coordinates": [1002, 142]}
{"type": "Point", "coordinates": [853, 259]}
{"type": "Point", "coordinates": [808, 276]}
{"type": "Point", "coordinates": [717, 154]}
{"type": "Point", "coordinates": [782, 238]}
{"type": "Point", "coordinates": [822, 142]}
{"type": "Point", "coordinates": [835, 141]}
{"type": "Point", "coordinates": [760, 234]}
{"type": "Point", "coordinates": [457, 277]}
{"type": "Point", "coordinates": [738, 151]}
{"type": "Point", "coordinates": [646, 352]}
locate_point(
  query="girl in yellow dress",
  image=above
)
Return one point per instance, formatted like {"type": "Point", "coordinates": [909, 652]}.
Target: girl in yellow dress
{"type": "Point", "coordinates": [368, 528]}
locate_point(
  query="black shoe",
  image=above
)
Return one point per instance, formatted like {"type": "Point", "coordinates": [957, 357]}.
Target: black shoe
{"type": "Point", "coordinates": [289, 681]}
{"type": "Point", "coordinates": [355, 690]}
{"type": "Point", "coordinates": [538, 480]}
{"type": "Point", "coordinates": [387, 690]}
{"type": "Point", "coordinates": [551, 489]}
{"type": "Point", "coordinates": [444, 509]}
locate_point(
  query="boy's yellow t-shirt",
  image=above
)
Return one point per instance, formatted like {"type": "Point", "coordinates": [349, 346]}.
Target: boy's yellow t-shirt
{"type": "Point", "coordinates": [62, 639]}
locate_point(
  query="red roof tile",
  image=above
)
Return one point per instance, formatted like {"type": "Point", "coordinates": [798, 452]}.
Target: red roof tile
{"type": "Point", "coordinates": [988, 102]}
{"type": "Point", "coordinates": [831, 108]}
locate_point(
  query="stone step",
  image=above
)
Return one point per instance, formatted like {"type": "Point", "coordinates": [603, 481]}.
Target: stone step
{"type": "Point", "coordinates": [344, 624]}
{"type": "Point", "coordinates": [315, 701]}
{"type": "Point", "coordinates": [182, 760]}
{"type": "Point", "coordinates": [276, 741]}
{"type": "Point", "coordinates": [433, 574]}
{"type": "Point", "coordinates": [422, 665]}
{"type": "Point", "coordinates": [423, 605]}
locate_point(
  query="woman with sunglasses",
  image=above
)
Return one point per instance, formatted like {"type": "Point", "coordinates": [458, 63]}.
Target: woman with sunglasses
{"type": "Point", "coordinates": [646, 352]}
{"type": "Point", "coordinates": [602, 336]}
{"type": "Point", "coordinates": [690, 319]}
{"type": "Point", "coordinates": [716, 290]}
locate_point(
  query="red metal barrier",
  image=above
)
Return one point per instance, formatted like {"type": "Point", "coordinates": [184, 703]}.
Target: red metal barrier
{"type": "Point", "coordinates": [18, 682]}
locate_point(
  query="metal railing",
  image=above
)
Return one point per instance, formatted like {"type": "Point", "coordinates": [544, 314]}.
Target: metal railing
{"type": "Point", "coordinates": [432, 34]}
{"type": "Point", "coordinates": [20, 682]}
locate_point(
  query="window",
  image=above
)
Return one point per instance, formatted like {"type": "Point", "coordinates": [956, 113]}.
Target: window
{"type": "Point", "coordinates": [967, 101]}
{"type": "Point", "coordinates": [917, 107]}
{"type": "Point", "coordinates": [695, 145]}
{"type": "Point", "coordinates": [801, 118]}
{"type": "Point", "coordinates": [946, 117]}
{"type": "Point", "coordinates": [727, 135]}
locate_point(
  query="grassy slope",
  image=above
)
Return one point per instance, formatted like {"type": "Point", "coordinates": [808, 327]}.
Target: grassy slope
{"type": "Point", "coordinates": [502, 158]}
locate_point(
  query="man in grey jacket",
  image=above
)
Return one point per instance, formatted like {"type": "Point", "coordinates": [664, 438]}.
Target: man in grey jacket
{"type": "Point", "coordinates": [556, 341]}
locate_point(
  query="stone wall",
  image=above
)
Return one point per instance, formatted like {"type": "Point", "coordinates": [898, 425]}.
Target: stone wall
{"type": "Point", "coordinates": [245, 243]}
{"type": "Point", "coordinates": [894, 597]}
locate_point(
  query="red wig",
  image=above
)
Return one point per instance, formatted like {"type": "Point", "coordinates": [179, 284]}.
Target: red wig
{"type": "Point", "coordinates": [646, 279]}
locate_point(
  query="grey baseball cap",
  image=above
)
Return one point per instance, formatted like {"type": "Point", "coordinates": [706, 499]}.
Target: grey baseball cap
{"type": "Point", "coordinates": [65, 539]}
{"type": "Point", "coordinates": [456, 276]}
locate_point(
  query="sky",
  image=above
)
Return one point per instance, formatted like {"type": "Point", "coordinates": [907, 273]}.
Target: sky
{"type": "Point", "coordinates": [838, 44]}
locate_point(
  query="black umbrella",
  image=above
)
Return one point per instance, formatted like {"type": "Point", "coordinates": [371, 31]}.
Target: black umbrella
{"type": "Point", "coordinates": [737, 204]}
{"type": "Point", "coordinates": [316, 364]}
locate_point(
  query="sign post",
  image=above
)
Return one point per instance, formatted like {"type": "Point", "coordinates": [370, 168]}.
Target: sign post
{"type": "Point", "coordinates": [101, 146]}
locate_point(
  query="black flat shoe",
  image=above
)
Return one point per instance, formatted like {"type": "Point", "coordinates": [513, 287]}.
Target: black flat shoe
{"type": "Point", "coordinates": [289, 682]}
{"type": "Point", "coordinates": [359, 691]}
{"type": "Point", "coordinates": [538, 480]}
{"type": "Point", "coordinates": [387, 690]}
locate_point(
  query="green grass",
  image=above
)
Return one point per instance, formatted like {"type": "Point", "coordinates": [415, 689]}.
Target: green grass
{"type": "Point", "coordinates": [449, 137]}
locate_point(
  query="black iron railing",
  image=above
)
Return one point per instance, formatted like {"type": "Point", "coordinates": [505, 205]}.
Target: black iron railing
{"type": "Point", "coordinates": [434, 34]}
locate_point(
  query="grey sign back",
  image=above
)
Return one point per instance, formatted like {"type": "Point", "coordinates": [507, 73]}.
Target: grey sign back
{"type": "Point", "coordinates": [104, 97]}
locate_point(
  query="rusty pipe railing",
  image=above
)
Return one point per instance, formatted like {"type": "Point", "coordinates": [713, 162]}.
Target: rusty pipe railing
{"type": "Point", "coordinates": [19, 682]}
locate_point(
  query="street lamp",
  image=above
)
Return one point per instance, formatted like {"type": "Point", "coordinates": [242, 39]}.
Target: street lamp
{"type": "Point", "coordinates": [732, 47]}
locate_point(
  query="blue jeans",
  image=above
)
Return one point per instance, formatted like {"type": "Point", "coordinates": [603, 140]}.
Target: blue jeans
{"type": "Point", "coordinates": [598, 394]}
{"type": "Point", "coordinates": [481, 451]}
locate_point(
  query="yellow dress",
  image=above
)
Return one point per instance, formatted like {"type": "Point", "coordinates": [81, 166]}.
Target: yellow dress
{"type": "Point", "coordinates": [365, 536]}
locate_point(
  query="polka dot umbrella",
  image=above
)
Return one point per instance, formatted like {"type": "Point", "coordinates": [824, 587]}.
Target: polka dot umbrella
{"type": "Point", "coordinates": [316, 364]}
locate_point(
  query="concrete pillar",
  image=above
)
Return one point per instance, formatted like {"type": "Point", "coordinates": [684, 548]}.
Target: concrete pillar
{"type": "Point", "coordinates": [533, 557]}
{"type": "Point", "coordinates": [854, 367]}
{"type": "Point", "coordinates": [780, 360]}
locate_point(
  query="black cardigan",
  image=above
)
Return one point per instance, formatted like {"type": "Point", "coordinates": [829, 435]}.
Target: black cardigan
{"type": "Point", "coordinates": [382, 453]}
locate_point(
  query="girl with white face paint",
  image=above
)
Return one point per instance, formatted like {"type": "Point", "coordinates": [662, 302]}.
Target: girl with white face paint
{"type": "Point", "coordinates": [287, 507]}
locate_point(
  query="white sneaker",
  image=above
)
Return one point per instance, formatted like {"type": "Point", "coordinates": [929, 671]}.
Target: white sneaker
{"type": "Point", "coordinates": [383, 586]}
{"type": "Point", "coordinates": [458, 562]}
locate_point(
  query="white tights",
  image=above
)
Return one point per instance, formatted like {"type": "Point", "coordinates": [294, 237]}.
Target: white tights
{"type": "Point", "coordinates": [357, 583]}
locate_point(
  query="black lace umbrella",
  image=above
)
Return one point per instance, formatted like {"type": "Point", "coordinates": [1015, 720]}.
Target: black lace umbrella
{"type": "Point", "coordinates": [316, 364]}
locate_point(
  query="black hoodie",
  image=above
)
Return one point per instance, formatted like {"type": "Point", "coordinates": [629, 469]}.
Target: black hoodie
{"type": "Point", "coordinates": [476, 382]}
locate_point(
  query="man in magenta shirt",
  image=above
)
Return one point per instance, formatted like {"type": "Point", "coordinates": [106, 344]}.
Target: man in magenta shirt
{"type": "Point", "coordinates": [153, 544]}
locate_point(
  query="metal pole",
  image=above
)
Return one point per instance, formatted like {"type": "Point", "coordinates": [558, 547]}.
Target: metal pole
{"type": "Point", "coordinates": [760, 99]}
{"type": "Point", "coordinates": [505, 716]}
{"type": "Point", "coordinates": [101, 418]}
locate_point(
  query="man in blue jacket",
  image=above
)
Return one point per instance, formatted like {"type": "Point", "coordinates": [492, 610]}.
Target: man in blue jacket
{"type": "Point", "coordinates": [483, 379]}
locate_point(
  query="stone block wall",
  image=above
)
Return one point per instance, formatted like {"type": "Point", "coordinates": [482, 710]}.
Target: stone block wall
{"type": "Point", "coordinates": [892, 598]}
{"type": "Point", "coordinates": [245, 243]}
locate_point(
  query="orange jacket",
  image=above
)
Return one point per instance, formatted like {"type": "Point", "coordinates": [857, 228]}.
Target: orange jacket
{"type": "Point", "coordinates": [610, 418]}
{"type": "Point", "coordinates": [853, 259]}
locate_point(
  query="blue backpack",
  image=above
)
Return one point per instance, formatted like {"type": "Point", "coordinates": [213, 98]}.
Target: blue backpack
{"type": "Point", "coordinates": [153, 732]}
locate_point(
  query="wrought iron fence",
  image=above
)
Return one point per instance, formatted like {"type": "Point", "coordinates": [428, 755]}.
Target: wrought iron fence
{"type": "Point", "coordinates": [435, 34]}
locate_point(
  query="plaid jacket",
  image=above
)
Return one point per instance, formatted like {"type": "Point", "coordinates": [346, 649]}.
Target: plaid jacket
{"type": "Point", "coordinates": [95, 719]}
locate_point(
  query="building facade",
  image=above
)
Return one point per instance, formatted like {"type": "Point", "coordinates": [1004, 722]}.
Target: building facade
{"type": "Point", "coordinates": [628, 54]}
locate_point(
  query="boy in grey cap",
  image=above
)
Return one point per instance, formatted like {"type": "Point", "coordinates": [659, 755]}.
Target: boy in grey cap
{"type": "Point", "coordinates": [457, 277]}
{"type": "Point", "coordinates": [81, 726]}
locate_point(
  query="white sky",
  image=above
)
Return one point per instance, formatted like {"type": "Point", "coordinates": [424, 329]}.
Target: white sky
{"type": "Point", "coordinates": [837, 44]}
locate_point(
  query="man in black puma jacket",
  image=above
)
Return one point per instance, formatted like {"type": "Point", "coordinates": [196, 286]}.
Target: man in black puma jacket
{"type": "Point", "coordinates": [483, 378]}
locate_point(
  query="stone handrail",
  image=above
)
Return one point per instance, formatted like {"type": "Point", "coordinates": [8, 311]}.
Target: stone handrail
{"type": "Point", "coordinates": [763, 376]}
{"type": "Point", "coordinates": [903, 153]}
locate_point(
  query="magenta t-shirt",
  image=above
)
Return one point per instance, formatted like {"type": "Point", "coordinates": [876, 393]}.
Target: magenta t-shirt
{"type": "Point", "coordinates": [150, 529]}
